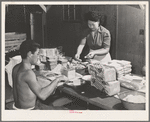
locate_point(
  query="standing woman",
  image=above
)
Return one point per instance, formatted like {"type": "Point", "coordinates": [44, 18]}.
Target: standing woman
{"type": "Point", "coordinates": [97, 38]}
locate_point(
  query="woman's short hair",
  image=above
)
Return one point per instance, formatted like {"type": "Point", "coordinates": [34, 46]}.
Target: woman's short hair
{"type": "Point", "coordinates": [26, 46]}
{"type": "Point", "coordinates": [93, 16]}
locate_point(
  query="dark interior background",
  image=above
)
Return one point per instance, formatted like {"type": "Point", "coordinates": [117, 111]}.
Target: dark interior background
{"type": "Point", "coordinates": [125, 23]}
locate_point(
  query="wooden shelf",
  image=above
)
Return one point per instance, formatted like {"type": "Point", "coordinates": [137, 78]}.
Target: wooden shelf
{"type": "Point", "coordinates": [13, 41]}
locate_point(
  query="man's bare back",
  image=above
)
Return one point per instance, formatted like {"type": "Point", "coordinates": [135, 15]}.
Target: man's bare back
{"type": "Point", "coordinates": [23, 95]}
{"type": "Point", "coordinates": [26, 88]}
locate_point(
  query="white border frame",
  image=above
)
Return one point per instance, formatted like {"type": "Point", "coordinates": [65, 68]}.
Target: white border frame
{"type": "Point", "coordinates": [60, 115]}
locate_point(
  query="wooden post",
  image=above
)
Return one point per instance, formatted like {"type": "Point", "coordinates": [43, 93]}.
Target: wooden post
{"type": "Point", "coordinates": [116, 56]}
{"type": "Point", "coordinates": [44, 23]}
{"type": "Point", "coordinates": [32, 26]}
{"type": "Point", "coordinates": [44, 29]}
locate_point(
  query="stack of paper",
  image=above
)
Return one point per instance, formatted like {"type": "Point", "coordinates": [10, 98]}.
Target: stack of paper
{"type": "Point", "coordinates": [122, 67]}
{"type": "Point", "coordinates": [135, 82]}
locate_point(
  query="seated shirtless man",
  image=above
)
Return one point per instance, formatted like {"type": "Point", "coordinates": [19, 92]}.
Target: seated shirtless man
{"type": "Point", "coordinates": [26, 88]}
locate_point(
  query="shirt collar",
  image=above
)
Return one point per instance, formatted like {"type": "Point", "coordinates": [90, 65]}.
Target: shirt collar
{"type": "Point", "coordinates": [100, 29]}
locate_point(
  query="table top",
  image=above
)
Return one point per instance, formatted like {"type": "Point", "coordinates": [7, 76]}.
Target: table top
{"type": "Point", "coordinates": [93, 96]}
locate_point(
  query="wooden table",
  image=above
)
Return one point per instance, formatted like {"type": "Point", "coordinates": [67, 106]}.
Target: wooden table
{"type": "Point", "coordinates": [93, 96]}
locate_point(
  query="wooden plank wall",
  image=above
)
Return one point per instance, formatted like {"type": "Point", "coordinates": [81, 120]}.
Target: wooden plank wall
{"type": "Point", "coordinates": [130, 44]}
{"type": "Point", "coordinates": [61, 33]}
{"type": "Point", "coordinates": [15, 19]}
{"type": "Point", "coordinates": [68, 34]}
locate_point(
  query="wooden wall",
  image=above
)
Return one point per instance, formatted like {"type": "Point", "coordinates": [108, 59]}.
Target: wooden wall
{"type": "Point", "coordinates": [61, 33]}
{"type": "Point", "coordinates": [68, 34]}
{"type": "Point", "coordinates": [15, 19]}
{"type": "Point", "coordinates": [130, 43]}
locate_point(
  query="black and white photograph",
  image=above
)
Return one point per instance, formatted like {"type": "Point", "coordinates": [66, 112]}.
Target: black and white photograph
{"type": "Point", "coordinates": [75, 60]}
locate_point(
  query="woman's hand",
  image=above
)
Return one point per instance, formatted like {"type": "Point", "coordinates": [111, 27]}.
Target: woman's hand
{"type": "Point", "coordinates": [90, 55]}
{"type": "Point", "coordinates": [77, 57]}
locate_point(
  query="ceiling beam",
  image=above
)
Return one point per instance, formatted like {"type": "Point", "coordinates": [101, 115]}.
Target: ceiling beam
{"type": "Point", "coordinates": [48, 7]}
{"type": "Point", "coordinates": [45, 8]}
{"type": "Point", "coordinates": [141, 6]}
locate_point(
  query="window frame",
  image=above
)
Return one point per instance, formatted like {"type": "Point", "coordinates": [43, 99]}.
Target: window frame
{"type": "Point", "coordinates": [74, 9]}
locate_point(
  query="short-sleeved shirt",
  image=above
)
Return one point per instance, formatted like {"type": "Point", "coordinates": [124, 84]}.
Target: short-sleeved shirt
{"type": "Point", "coordinates": [101, 38]}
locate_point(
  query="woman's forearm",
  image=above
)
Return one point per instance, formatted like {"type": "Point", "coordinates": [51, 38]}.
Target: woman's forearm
{"type": "Point", "coordinates": [102, 51]}
{"type": "Point", "coordinates": [80, 48]}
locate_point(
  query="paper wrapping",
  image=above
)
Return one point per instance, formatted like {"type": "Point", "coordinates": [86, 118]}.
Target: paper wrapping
{"type": "Point", "coordinates": [102, 73]}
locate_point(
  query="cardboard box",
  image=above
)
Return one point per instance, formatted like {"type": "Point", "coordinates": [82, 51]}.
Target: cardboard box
{"type": "Point", "coordinates": [50, 53]}
{"type": "Point", "coordinates": [70, 73]}
{"type": "Point", "coordinates": [40, 66]}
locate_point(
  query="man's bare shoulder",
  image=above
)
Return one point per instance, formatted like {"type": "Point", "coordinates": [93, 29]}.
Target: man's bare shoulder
{"type": "Point", "coordinates": [29, 75]}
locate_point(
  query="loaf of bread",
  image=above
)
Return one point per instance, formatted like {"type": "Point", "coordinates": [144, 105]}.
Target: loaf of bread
{"type": "Point", "coordinates": [112, 88]}
{"type": "Point", "coordinates": [109, 74]}
{"type": "Point", "coordinates": [102, 73]}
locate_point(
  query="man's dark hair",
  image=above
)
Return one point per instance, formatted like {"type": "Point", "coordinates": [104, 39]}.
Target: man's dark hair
{"type": "Point", "coordinates": [93, 16]}
{"type": "Point", "coordinates": [26, 46]}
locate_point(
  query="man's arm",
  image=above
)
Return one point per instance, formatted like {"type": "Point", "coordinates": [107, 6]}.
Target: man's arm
{"type": "Point", "coordinates": [34, 85]}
